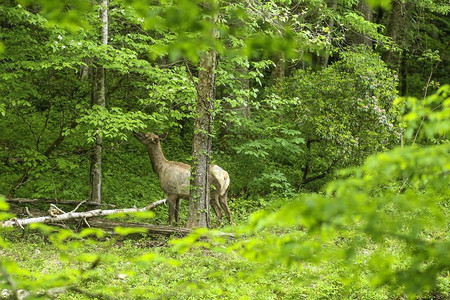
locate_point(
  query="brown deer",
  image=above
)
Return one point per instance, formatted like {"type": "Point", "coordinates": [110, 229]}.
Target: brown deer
{"type": "Point", "coordinates": [174, 177]}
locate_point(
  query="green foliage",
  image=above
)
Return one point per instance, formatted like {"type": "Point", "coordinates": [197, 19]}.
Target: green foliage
{"type": "Point", "coordinates": [388, 216]}
{"type": "Point", "coordinates": [270, 147]}
{"type": "Point", "coordinates": [314, 122]}
{"type": "Point", "coordinates": [111, 123]}
{"type": "Point", "coordinates": [148, 86]}
{"type": "Point", "coordinates": [131, 271]}
{"type": "Point", "coordinates": [343, 108]}
{"type": "Point", "coordinates": [428, 119]}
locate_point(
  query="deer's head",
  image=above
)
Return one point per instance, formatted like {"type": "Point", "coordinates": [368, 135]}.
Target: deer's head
{"type": "Point", "coordinates": [149, 139]}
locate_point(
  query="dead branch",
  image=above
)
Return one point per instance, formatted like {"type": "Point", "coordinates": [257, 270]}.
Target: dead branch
{"type": "Point", "coordinates": [72, 215]}
{"type": "Point", "coordinates": [78, 206]}
{"type": "Point", "coordinates": [62, 201]}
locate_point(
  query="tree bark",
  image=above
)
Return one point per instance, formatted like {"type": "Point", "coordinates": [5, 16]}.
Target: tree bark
{"type": "Point", "coordinates": [333, 5]}
{"type": "Point", "coordinates": [397, 28]}
{"type": "Point", "coordinates": [367, 12]}
{"type": "Point", "coordinates": [98, 99]}
{"type": "Point", "coordinates": [201, 144]}
{"type": "Point", "coordinates": [357, 38]}
{"type": "Point", "coordinates": [403, 74]}
{"type": "Point", "coordinates": [198, 215]}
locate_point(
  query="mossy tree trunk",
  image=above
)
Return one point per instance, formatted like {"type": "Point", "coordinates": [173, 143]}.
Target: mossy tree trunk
{"type": "Point", "coordinates": [198, 215]}
{"type": "Point", "coordinates": [98, 99]}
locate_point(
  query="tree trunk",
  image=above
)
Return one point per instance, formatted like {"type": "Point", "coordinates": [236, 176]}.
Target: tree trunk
{"type": "Point", "coordinates": [198, 215]}
{"type": "Point", "coordinates": [367, 12]}
{"type": "Point", "coordinates": [397, 28]}
{"type": "Point", "coordinates": [279, 69]}
{"type": "Point", "coordinates": [201, 144]}
{"type": "Point", "coordinates": [357, 38]}
{"type": "Point", "coordinates": [333, 5]}
{"type": "Point", "coordinates": [403, 74]}
{"type": "Point", "coordinates": [98, 99]}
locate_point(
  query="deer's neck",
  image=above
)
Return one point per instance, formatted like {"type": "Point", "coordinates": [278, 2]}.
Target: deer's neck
{"type": "Point", "coordinates": [157, 158]}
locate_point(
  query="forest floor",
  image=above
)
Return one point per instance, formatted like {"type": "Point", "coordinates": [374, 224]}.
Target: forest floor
{"type": "Point", "coordinates": [196, 274]}
{"type": "Point", "coordinates": [142, 266]}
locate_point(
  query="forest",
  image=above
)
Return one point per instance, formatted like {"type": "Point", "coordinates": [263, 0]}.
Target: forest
{"type": "Point", "coordinates": [225, 149]}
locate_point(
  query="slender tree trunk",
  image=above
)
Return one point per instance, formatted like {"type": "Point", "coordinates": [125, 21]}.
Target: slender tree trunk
{"type": "Point", "coordinates": [333, 5]}
{"type": "Point", "coordinates": [243, 109]}
{"type": "Point", "coordinates": [198, 215]}
{"type": "Point", "coordinates": [397, 28]}
{"type": "Point", "coordinates": [279, 69]}
{"type": "Point", "coordinates": [98, 99]}
{"type": "Point", "coordinates": [366, 10]}
{"type": "Point", "coordinates": [360, 38]}
{"type": "Point", "coordinates": [403, 73]}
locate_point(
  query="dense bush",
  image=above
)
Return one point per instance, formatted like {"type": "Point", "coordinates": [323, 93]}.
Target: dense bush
{"type": "Point", "coordinates": [314, 122]}
{"type": "Point", "coordinates": [388, 217]}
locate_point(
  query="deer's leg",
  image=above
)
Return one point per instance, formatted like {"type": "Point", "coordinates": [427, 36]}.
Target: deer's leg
{"type": "Point", "coordinates": [172, 199]}
{"type": "Point", "coordinates": [177, 210]}
{"type": "Point", "coordinates": [215, 205]}
{"type": "Point", "coordinates": [224, 203]}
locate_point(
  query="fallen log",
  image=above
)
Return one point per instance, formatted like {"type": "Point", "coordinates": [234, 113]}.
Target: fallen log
{"type": "Point", "coordinates": [57, 215]}
{"type": "Point", "coordinates": [55, 201]}
{"type": "Point", "coordinates": [152, 229]}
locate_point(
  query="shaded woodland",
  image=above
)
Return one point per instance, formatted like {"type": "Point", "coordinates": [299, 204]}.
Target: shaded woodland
{"type": "Point", "coordinates": [312, 134]}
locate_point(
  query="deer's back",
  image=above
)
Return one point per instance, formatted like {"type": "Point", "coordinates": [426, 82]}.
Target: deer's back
{"type": "Point", "coordinates": [174, 178]}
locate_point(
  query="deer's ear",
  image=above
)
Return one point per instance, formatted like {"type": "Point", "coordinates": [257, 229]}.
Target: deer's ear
{"type": "Point", "coordinates": [163, 136]}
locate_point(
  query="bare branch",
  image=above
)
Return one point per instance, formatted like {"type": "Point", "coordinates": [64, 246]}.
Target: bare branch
{"type": "Point", "coordinates": [78, 206]}
{"type": "Point", "coordinates": [27, 211]}
{"type": "Point", "coordinates": [57, 209]}
{"type": "Point", "coordinates": [191, 77]}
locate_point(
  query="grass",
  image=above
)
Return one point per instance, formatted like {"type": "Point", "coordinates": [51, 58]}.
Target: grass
{"type": "Point", "coordinates": [197, 274]}
{"type": "Point", "coordinates": [275, 263]}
